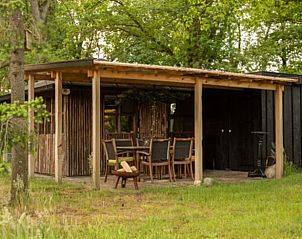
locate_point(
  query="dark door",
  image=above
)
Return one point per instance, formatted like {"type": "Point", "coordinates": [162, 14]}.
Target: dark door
{"type": "Point", "coordinates": [240, 127]}
{"type": "Point", "coordinates": [228, 121]}
{"type": "Point", "coordinates": [216, 125]}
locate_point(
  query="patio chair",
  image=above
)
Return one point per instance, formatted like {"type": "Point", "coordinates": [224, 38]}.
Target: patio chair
{"type": "Point", "coordinates": [182, 155]}
{"type": "Point", "coordinates": [142, 142]}
{"type": "Point", "coordinates": [123, 142]}
{"type": "Point", "coordinates": [113, 158]}
{"type": "Point", "coordinates": [158, 156]}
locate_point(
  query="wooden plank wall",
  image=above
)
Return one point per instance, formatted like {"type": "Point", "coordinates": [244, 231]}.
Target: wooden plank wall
{"type": "Point", "coordinates": [78, 128]}
{"type": "Point", "coordinates": [292, 130]}
{"type": "Point", "coordinates": [45, 154]}
{"type": "Point", "coordinates": [153, 120]}
{"type": "Point", "coordinates": [45, 162]}
{"type": "Point", "coordinates": [44, 158]}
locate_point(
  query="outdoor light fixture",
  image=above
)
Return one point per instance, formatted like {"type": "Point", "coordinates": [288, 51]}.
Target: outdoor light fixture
{"type": "Point", "coordinates": [65, 91]}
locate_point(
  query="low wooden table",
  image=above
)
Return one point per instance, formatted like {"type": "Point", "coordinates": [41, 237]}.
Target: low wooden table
{"type": "Point", "coordinates": [125, 176]}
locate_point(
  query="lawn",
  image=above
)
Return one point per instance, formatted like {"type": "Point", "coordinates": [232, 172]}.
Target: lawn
{"type": "Point", "coordinates": [260, 209]}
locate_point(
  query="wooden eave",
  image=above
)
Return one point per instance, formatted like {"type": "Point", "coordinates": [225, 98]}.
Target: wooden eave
{"type": "Point", "coordinates": [126, 73]}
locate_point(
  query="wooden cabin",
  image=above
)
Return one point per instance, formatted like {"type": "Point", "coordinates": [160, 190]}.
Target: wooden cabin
{"type": "Point", "coordinates": [228, 142]}
{"type": "Point", "coordinates": [91, 100]}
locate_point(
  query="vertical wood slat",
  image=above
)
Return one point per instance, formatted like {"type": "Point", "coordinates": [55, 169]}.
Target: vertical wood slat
{"type": "Point", "coordinates": [96, 129]}
{"type": "Point", "coordinates": [66, 165]}
{"type": "Point", "coordinates": [77, 138]}
{"type": "Point", "coordinates": [264, 123]}
{"type": "Point", "coordinates": [31, 125]}
{"type": "Point", "coordinates": [103, 160]}
{"type": "Point", "coordinates": [288, 121]}
{"type": "Point", "coordinates": [74, 137]}
{"type": "Point", "coordinates": [270, 123]}
{"type": "Point", "coordinates": [296, 112]}
{"type": "Point", "coordinates": [198, 133]}
{"type": "Point", "coordinates": [80, 138]}
{"type": "Point", "coordinates": [58, 127]}
{"type": "Point", "coordinates": [279, 130]}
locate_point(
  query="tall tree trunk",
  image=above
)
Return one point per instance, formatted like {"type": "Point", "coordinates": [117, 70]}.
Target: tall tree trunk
{"type": "Point", "coordinates": [19, 184]}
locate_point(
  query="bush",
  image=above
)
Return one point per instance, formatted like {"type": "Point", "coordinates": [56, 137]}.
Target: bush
{"type": "Point", "coordinates": [289, 167]}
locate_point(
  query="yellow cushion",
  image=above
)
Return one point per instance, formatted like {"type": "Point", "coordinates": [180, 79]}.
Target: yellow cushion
{"type": "Point", "coordinates": [193, 158]}
{"type": "Point", "coordinates": [121, 159]}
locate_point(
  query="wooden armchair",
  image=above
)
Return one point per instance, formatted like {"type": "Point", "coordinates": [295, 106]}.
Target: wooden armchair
{"type": "Point", "coordinates": [182, 155]}
{"type": "Point", "coordinates": [158, 156]}
{"type": "Point", "coordinates": [114, 158]}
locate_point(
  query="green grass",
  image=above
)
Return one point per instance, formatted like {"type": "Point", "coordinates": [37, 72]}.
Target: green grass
{"type": "Point", "coordinates": [262, 209]}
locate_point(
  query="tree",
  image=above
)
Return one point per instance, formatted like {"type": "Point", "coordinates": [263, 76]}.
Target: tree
{"type": "Point", "coordinates": [194, 33]}
{"type": "Point", "coordinates": [19, 183]}
{"type": "Point", "coordinates": [17, 15]}
{"type": "Point", "coordinates": [273, 32]}
{"type": "Point", "coordinates": [243, 35]}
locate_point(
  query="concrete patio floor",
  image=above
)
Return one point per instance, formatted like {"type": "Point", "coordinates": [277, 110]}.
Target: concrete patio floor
{"type": "Point", "coordinates": [224, 176]}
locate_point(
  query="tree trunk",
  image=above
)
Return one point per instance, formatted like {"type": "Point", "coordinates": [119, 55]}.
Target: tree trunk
{"type": "Point", "coordinates": [19, 184]}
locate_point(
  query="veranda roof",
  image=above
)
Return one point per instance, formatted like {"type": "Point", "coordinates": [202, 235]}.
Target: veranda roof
{"type": "Point", "coordinates": [127, 73]}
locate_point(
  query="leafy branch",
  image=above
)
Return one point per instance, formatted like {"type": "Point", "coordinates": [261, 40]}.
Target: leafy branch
{"type": "Point", "coordinates": [13, 124]}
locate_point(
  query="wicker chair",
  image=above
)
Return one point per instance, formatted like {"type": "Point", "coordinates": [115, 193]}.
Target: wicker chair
{"type": "Point", "coordinates": [182, 155]}
{"type": "Point", "coordinates": [158, 156]}
{"type": "Point", "coordinates": [113, 158]}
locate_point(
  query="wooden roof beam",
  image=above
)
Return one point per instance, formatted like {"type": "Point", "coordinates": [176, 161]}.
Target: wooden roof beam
{"type": "Point", "coordinates": [67, 65]}
{"type": "Point", "coordinates": [239, 84]}
{"type": "Point", "coordinates": [147, 78]}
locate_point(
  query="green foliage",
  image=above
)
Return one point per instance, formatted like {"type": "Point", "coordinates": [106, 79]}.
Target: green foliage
{"type": "Point", "coordinates": [227, 35]}
{"type": "Point", "coordinates": [290, 168]}
{"type": "Point", "coordinates": [4, 168]}
{"type": "Point", "coordinates": [245, 35]}
{"type": "Point", "coordinates": [13, 129]}
{"type": "Point", "coordinates": [276, 27]}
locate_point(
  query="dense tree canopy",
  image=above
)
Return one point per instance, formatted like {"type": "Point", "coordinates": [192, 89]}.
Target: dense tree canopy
{"type": "Point", "coordinates": [245, 35]}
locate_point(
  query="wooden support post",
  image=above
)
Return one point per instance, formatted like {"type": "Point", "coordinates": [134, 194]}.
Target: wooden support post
{"type": "Point", "coordinates": [279, 130]}
{"type": "Point", "coordinates": [96, 129]}
{"type": "Point", "coordinates": [198, 133]}
{"type": "Point", "coordinates": [58, 128]}
{"type": "Point", "coordinates": [31, 125]}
